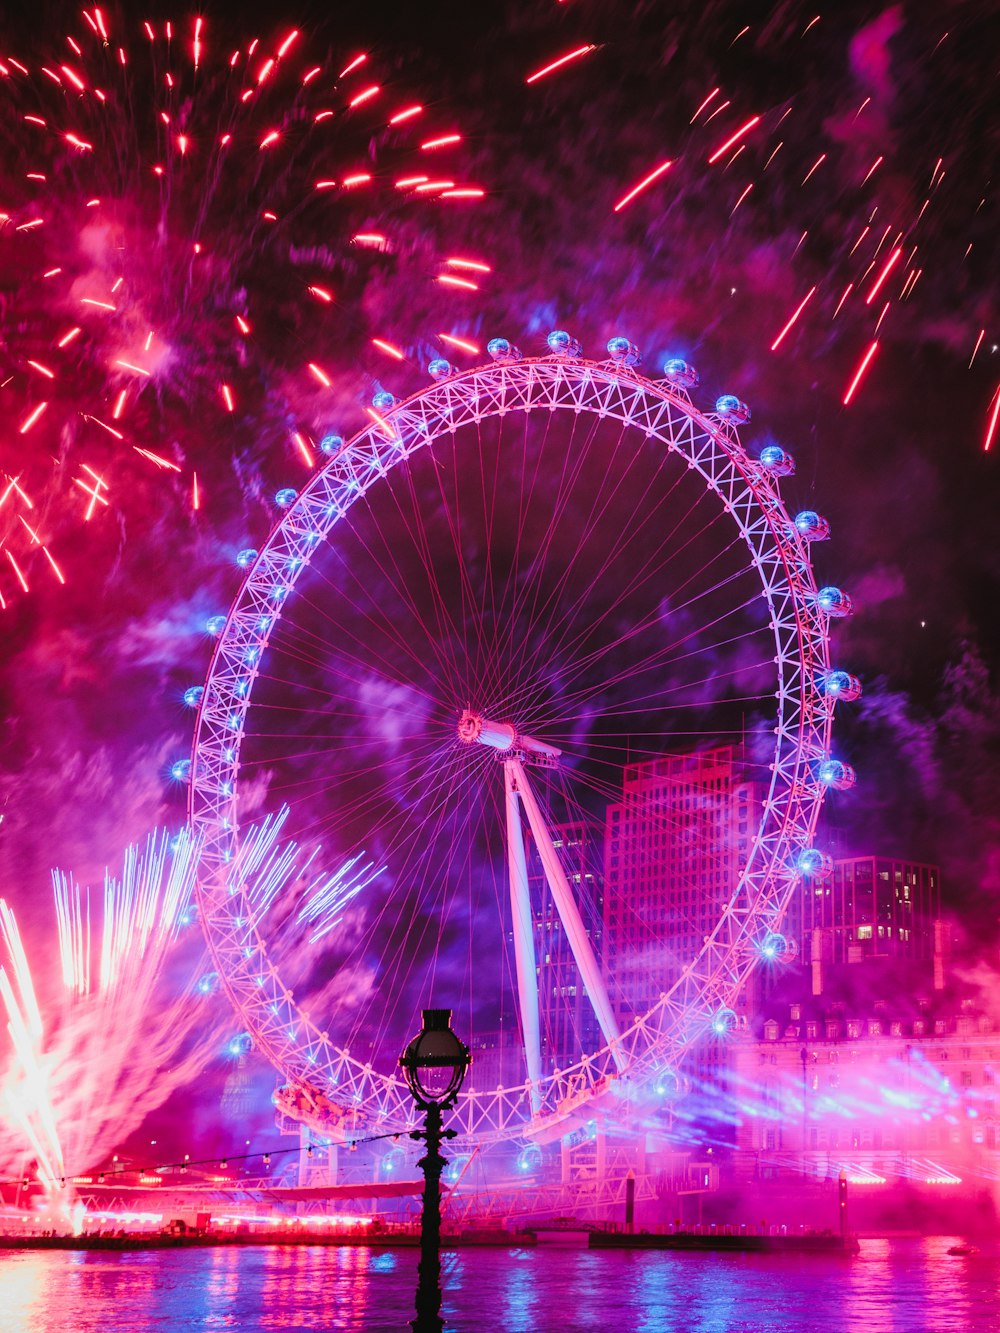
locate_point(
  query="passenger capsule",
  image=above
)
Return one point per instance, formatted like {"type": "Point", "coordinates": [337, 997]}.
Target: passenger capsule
{"type": "Point", "coordinates": [331, 444]}
{"type": "Point", "coordinates": [841, 685]}
{"type": "Point", "coordinates": [678, 372]}
{"type": "Point", "coordinates": [723, 1022]}
{"type": "Point", "coordinates": [215, 625]}
{"type": "Point", "coordinates": [383, 400]}
{"type": "Point", "coordinates": [285, 497]}
{"type": "Point", "coordinates": [502, 349]}
{"type": "Point", "coordinates": [669, 1085]}
{"type": "Point", "coordinates": [193, 695]}
{"type": "Point", "coordinates": [623, 352]}
{"type": "Point", "coordinates": [834, 601]}
{"type": "Point", "coordinates": [246, 557]}
{"type": "Point", "coordinates": [529, 1159]}
{"type": "Point", "coordinates": [773, 946]}
{"type": "Point", "coordinates": [814, 864]}
{"type": "Point", "coordinates": [810, 526]}
{"type": "Point", "coordinates": [836, 774]}
{"type": "Point", "coordinates": [180, 770]}
{"type": "Point", "coordinates": [562, 343]}
{"type": "Point", "coordinates": [777, 461]}
{"type": "Point", "coordinates": [730, 409]}
{"type": "Point", "coordinates": [440, 369]}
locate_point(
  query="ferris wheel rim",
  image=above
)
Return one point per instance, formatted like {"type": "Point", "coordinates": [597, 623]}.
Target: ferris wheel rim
{"type": "Point", "coordinates": [711, 446]}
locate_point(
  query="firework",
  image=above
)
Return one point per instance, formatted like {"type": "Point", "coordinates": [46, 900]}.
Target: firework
{"type": "Point", "coordinates": [302, 901]}
{"type": "Point", "coordinates": [124, 1029]}
{"type": "Point", "coordinates": [174, 216]}
{"type": "Point", "coordinates": [108, 1044]}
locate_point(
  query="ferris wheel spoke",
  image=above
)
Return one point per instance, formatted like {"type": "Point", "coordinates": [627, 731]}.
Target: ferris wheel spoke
{"type": "Point", "coordinates": [388, 566]}
{"type": "Point", "coordinates": [368, 662]}
{"type": "Point", "coordinates": [668, 823]}
{"type": "Point", "coordinates": [427, 893]}
{"type": "Point", "coordinates": [666, 654]}
{"type": "Point", "coordinates": [599, 505]}
{"type": "Point", "coordinates": [404, 933]}
{"type": "Point", "coordinates": [354, 820]}
{"type": "Point", "coordinates": [639, 578]}
{"type": "Point", "coordinates": [374, 638]}
{"type": "Point", "coordinates": [569, 472]}
{"type": "Point", "coordinates": [434, 793]}
{"type": "Point", "coordinates": [396, 697]}
{"type": "Point", "coordinates": [350, 811]}
{"type": "Point", "coordinates": [666, 819]}
{"type": "Point", "coordinates": [623, 538]}
{"type": "Point", "coordinates": [473, 600]}
{"type": "Point", "coordinates": [377, 622]}
{"type": "Point", "coordinates": [455, 634]}
{"type": "Point", "coordinates": [542, 550]}
{"type": "Point", "coordinates": [665, 694]}
{"type": "Point", "coordinates": [648, 661]}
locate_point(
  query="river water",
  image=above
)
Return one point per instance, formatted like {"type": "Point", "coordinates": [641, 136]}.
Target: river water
{"type": "Point", "coordinates": [894, 1286]}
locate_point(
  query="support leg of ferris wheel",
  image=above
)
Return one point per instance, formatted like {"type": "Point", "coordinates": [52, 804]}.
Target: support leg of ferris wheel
{"type": "Point", "coordinates": [524, 941]}
{"type": "Point", "coordinates": [504, 737]}
{"type": "Point", "coordinates": [562, 894]}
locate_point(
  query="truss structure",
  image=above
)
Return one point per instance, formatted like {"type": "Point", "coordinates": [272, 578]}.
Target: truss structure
{"type": "Point", "coordinates": [350, 1098]}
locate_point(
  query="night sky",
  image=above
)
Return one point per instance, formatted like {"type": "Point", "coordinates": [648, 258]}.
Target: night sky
{"type": "Point", "coordinates": [881, 108]}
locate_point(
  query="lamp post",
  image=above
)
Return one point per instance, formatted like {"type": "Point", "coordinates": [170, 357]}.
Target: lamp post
{"type": "Point", "coordinates": [434, 1065]}
{"type": "Point", "coordinates": [804, 1057]}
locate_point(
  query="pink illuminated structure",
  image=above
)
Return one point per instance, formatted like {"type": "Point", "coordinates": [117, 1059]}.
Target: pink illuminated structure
{"type": "Point", "coordinates": [586, 486]}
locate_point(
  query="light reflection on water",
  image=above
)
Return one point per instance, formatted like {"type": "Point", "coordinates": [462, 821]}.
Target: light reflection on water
{"type": "Point", "coordinates": [894, 1286]}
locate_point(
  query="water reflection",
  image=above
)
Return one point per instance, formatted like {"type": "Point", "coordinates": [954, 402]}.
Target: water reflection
{"type": "Point", "coordinates": [895, 1286]}
{"type": "Point", "coordinates": [21, 1288]}
{"type": "Point", "coordinates": [222, 1284]}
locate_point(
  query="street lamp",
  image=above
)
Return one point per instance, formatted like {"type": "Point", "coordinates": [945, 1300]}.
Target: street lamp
{"type": "Point", "coordinates": [434, 1065]}
{"type": "Point", "coordinates": [804, 1057]}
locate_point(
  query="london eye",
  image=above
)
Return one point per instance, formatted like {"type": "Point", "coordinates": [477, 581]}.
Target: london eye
{"type": "Point", "coordinates": [488, 619]}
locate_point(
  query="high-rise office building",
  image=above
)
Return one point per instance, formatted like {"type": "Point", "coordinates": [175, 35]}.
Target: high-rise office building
{"type": "Point", "coordinates": [875, 906]}
{"type": "Point", "coordinates": [675, 847]}
{"type": "Point", "coordinates": [867, 908]}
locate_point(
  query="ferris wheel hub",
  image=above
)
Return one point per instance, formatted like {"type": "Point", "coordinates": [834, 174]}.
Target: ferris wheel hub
{"type": "Point", "coordinates": [474, 729]}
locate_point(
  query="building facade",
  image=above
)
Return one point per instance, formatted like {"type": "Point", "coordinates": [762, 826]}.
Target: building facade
{"type": "Point", "coordinates": [675, 847]}
{"type": "Point", "coordinates": [568, 1028]}
{"type": "Point", "coordinates": [869, 908]}
{"type": "Point", "coordinates": [887, 1098]}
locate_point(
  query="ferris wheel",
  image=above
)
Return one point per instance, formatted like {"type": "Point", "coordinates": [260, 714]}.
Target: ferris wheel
{"type": "Point", "coordinates": [470, 639]}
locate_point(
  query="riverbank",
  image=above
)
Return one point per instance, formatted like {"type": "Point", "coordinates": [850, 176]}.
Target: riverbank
{"type": "Point", "coordinates": [729, 1240]}
{"type": "Point", "coordinates": [374, 1240]}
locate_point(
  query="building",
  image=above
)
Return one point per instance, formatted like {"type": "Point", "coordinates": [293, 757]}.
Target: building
{"type": "Point", "coordinates": [893, 1095]}
{"type": "Point", "coordinates": [568, 1027]}
{"type": "Point", "coordinates": [869, 908]}
{"type": "Point", "coordinates": [675, 847]}
{"type": "Point", "coordinates": [497, 1059]}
